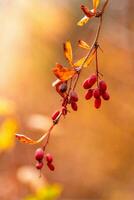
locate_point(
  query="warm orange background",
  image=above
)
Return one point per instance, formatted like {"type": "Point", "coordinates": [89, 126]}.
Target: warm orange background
{"type": "Point", "coordinates": [93, 149]}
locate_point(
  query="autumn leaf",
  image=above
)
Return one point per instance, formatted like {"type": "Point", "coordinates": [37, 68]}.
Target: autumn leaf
{"type": "Point", "coordinates": [83, 21]}
{"type": "Point", "coordinates": [96, 4]}
{"type": "Point", "coordinates": [27, 140]}
{"type": "Point", "coordinates": [83, 45]}
{"type": "Point", "coordinates": [87, 12]}
{"type": "Point", "coordinates": [63, 73]}
{"type": "Point", "coordinates": [68, 51]}
{"type": "Point", "coordinates": [82, 62]}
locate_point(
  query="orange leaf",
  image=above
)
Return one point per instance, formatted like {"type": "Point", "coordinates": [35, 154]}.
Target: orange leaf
{"type": "Point", "coordinates": [83, 21]}
{"type": "Point", "coordinates": [63, 73]}
{"type": "Point", "coordinates": [82, 63]}
{"type": "Point", "coordinates": [68, 51]}
{"type": "Point", "coordinates": [83, 44]}
{"type": "Point", "coordinates": [27, 140]}
{"type": "Point", "coordinates": [96, 3]}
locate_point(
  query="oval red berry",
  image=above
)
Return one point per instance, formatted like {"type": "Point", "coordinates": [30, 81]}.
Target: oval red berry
{"type": "Point", "coordinates": [74, 106]}
{"type": "Point", "coordinates": [97, 103]}
{"type": "Point", "coordinates": [49, 158]}
{"type": "Point", "coordinates": [73, 96]}
{"type": "Point", "coordinates": [55, 115]}
{"type": "Point", "coordinates": [96, 93]}
{"type": "Point", "coordinates": [89, 94]}
{"type": "Point", "coordinates": [106, 96]}
{"type": "Point", "coordinates": [39, 154]}
{"type": "Point", "coordinates": [102, 85]}
{"type": "Point", "coordinates": [39, 165]}
{"type": "Point", "coordinates": [51, 166]}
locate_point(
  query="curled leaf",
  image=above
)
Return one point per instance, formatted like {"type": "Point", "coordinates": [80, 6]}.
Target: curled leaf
{"type": "Point", "coordinates": [87, 12]}
{"type": "Point", "coordinates": [83, 45]}
{"type": "Point", "coordinates": [83, 21]}
{"type": "Point", "coordinates": [96, 3]}
{"type": "Point", "coordinates": [63, 73]}
{"type": "Point", "coordinates": [27, 140]}
{"type": "Point", "coordinates": [68, 51]}
{"type": "Point", "coordinates": [83, 63]}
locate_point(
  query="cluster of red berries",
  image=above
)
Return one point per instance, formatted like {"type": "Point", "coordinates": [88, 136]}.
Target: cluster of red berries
{"type": "Point", "coordinates": [39, 156]}
{"type": "Point", "coordinates": [97, 93]}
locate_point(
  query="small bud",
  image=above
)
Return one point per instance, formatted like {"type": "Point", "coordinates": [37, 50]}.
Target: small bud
{"type": "Point", "coordinates": [102, 85]}
{"type": "Point", "coordinates": [49, 158]}
{"type": "Point", "coordinates": [55, 115]}
{"type": "Point", "coordinates": [106, 96]}
{"type": "Point", "coordinates": [96, 93]}
{"type": "Point", "coordinates": [51, 166]}
{"type": "Point", "coordinates": [39, 165]}
{"type": "Point", "coordinates": [97, 103]}
{"type": "Point", "coordinates": [73, 96]}
{"type": "Point", "coordinates": [39, 154]}
{"type": "Point", "coordinates": [74, 106]}
{"type": "Point", "coordinates": [89, 94]}
{"type": "Point", "coordinates": [63, 87]}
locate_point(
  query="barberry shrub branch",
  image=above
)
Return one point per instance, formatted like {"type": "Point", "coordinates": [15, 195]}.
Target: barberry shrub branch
{"type": "Point", "coordinates": [67, 80]}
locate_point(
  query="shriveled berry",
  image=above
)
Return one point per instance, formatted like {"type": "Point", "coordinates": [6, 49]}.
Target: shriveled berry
{"type": "Point", "coordinates": [63, 87]}
{"type": "Point", "coordinates": [39, 154]}
{"type": "Point", "coordinates": [39, 165]}
{"type": "Point", "coordinates": [51, 166]}
{"type": "Point", "coordinates": [89, 94]}
{"type": "Point", "coordinates": [74, 106]}
{"type": "Point", "coordinates": [49, 158]}
{"type": "Point", "coordinates": [55, 115]}
{"type": "Point", "coordinates": [96, 93]}
{"type": "Point", "coordinates": [106, 96]}
{"type": "Point", "coordinates": [102, 85]}
{"type": "Point", "coordinates": [97, 103]}
{"type": "Point", "coordinates": [73, 96]}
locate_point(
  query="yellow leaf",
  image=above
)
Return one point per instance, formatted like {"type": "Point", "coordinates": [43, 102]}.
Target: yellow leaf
{"type": "Point", "coordinates": [63, 73]}
{"type": "Point", "coordinates": [7, 130]}
{"type": "Point", "coordinates": [27, 140]}
{"type": "Point", "coordinates": [83, 21]}
{"type": "Point", "coordinates": [68, 51]}
{"type": "Point", "coordinates": [83, 44]}
{"type": "Point", "coordinates": [96, 3]}
{"type": "Point", "coordinates": [82, 63]}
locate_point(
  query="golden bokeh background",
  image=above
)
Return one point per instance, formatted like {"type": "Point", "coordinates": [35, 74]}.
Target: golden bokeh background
{"type": "Point", "coordinates": [93, 149]}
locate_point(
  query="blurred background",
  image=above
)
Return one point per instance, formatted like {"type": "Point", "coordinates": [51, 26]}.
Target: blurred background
{"type": "Point", "coordinates": [93, 149]}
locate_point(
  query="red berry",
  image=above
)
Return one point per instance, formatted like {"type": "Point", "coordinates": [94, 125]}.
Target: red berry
{"type": "Point", "coordinates": [88, 83]}
{"type": "Point", "coordinates": [49, 158]}
{"type": "Point", "coordinates": [92, 80]}
{"type": "Point", "coordinates": [39, 154]}
{"type": "Point", "coordinates": [63, 87]}
{"type": "Point", "coordinates": [106, 96]}
{"type": "Point", "coordinates": [51, 166]}
{"type": "Point", "coordinates": [96, 93]}
{"type": "Point", "coordinates": [97, 103]}
{"type": "Point", "coordinates": [39, 165]}
{"type": "Point", "coordinates": [74, 106]}
{"type": "Point", "coordinates": [73, 96]}
{"type": "Point", "coordinates": [89, 94]}
{"type": "Point", "coordinates": [102, 85]}
{"type": "Point", "coordinates": [55, 115]}
{"type": "Point", "coordinates": [64, 111]}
